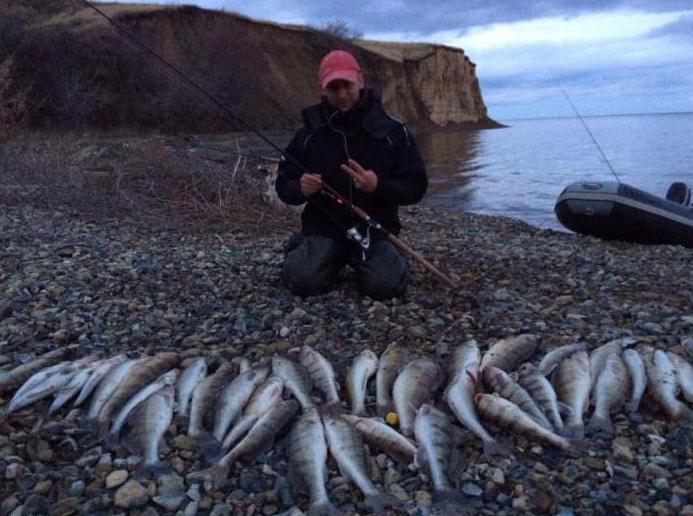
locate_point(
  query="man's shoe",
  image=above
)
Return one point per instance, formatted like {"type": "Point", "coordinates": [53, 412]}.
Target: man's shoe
{"type": "Point", "coordinates": [680, 193]}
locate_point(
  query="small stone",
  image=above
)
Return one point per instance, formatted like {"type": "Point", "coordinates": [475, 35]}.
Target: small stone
{"type": "Point", "coordinates": [76, 488]}
{"type": "Point", "coordinates": [660, 483]}
{"type": "Point", "coordinates": [686, 510]}
{"type": "Point", "coordinates": [269, 510]}
{"type": "Point", "coordinates": [43, 486]}
{"type": "Point", "coordinates": [399, 492]}
{"type": "Point", "coordinates": [184, 442]}
{"type": "Point", "coordinates": [36, 504]}
{"type": "Point", "coordinates": [194, 492]}
{"type": "Point", "coordinates": [284, 331]}
{"type": "Point", "coordinates": [497, 476]}
{"type": "Point", "coordinates": [621, 451]}
{"type": "Point", "coordinates": [521, 503]}
{"type": "Point", "coordinates": [170, 503]}
{"type": "Point", "coordinates": [178, 465]}
{"type": "Point", "coordinates": [632, 510]}
{"type": "Point", "coordinates": [391, 476]}
{"type": "Point", "coordinates": [221, 509]}
{"type": "Point", "coordinates": [116, 478]}
{"type": "Point", "coordinates": [423, 499]}
{"type": "Point", "coordinates": [472, 489]}
{"type": "Point", "coordinates": [170, 485]}
{"type": "Point", "coordinates": [65, 507]}
{"type": "Point", "coordinates": [190, 509]}
{"type": "Point", "coordinates": [131, 494]}
{"type": "Point", "coordinates": [15, 470]}
{"type": "Point", "coordinates": [9, 505]}
{"type": "Point", "coordinates": [104, 465]}
{"type": "Point", "coordinates": [43, 451]}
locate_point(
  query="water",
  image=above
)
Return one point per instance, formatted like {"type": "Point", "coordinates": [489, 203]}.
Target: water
{"type": "Point", "coordinates": [520, 171]}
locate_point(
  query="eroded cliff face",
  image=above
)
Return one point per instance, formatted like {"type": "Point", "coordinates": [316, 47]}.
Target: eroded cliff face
{"type": "Point", "coordinates": [78, 72]}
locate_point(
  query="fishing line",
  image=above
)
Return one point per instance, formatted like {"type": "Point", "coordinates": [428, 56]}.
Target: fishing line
{"type": "Point", "coordinates": [596, 143]}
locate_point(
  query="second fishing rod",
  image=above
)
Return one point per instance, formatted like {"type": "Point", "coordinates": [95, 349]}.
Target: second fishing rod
{"type": "Point", "coordinates": [326, 190]}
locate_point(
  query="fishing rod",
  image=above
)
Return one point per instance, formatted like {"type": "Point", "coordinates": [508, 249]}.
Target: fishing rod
{"type": "Point", "coordinates": [326, 190]}
{"type": "Point", "coordinates": [596, 143]}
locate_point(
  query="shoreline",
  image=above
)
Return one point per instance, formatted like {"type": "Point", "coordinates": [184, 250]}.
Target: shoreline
{"type": "Point", "coordinates": [112, 286]}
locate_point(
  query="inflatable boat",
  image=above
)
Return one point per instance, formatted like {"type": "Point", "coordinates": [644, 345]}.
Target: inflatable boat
{"type": "Point", "coordinates": [616, 211]}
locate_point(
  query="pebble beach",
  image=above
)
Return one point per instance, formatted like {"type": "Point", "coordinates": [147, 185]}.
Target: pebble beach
{"type": "Point", "coordinates": [115, 286]}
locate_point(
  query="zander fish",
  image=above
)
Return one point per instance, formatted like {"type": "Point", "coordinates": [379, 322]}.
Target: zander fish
{"type": "Point", "coordinates": [143, 373]}
{"type": "Point", "coordinates": [97, 375]}
{"type": "Point", "coordinates": [599, 355]}
{"type": "Point", "coordinates": [507, 354]}
{"type": "Point", "coordinates": [71, 388]}
{"type": "Point", "coordinates": [268, 394]}
{"type": "Point", "coordinates": [149, 423]}
{"type": "Point", "coordinates": [434, 437]}
{"type": "Point", "coordinates": [165, 380]}
{"type": "Point", "coordinates": [610, 392]}
{"type": "Point", "coordinates": [414, 386]}
{"type": "Point", "coordinates": [187, 382]}
{"type": "Point", "coordinates": [362, 368]}
{"type": "Point", "coordinates": [379, 435]}
{"type": "Point", "coordinates": [684, 374]}
{"type": "Point", "coordinates": [205, 396]}
{"type": "Point", "coordinates": [541, 390]}
{"type": "Point", "coordinates": [296, 379]}
{"type": "Point", "coordinates": [662, 384]}
{"type": "Point", "coordinates": [638, 378]}
{"type": "Point", "coordinates": [346, 446]}
{"type": "Point", "coordinates": [21, 374]}
{"type": "Point", "coordinates": [391, 362]}
{"type": "Point", "coordinates": [307, 452]}
{"type": "Point", "coordinates": [554, 357]}
{"type": "Point", "coordinates": [459, 394]}
{"type": "Point", "coordinates": [322, 373]}
{"type": "Point", "coordinates": [234, 397]}
{"type": "Point", "coordinates": [107, 387]}
{"type": "Point", "coordinates": [506, 414]}
{"type": "Point", "coordinates": [573, 386]}
{"type": "Point", "coordinates": [499, 381]}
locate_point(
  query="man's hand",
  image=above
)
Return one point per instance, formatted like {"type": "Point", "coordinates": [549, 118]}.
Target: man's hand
{"type": "Point", "coordinates": [364, 180]}
{"type": "Point", "coordinates": [310, 183]}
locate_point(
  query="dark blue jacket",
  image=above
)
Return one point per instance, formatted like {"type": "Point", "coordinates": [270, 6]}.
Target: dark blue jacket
{"type": "Point", "coordinates": [376, 141]}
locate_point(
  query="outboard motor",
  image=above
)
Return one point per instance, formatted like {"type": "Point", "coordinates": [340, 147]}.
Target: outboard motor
{"type": "Point", "coordinates": [680, 193]}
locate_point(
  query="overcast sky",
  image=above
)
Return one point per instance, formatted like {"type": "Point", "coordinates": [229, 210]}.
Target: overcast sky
{"type": "Point", "coordinates": [610, 56]}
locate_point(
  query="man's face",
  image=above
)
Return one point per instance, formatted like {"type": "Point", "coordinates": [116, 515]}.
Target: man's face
{"type": "Point", "coordinates": [343, 95]}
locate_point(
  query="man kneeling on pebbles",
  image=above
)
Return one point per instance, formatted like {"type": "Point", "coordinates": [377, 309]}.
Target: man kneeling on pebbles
{"type": "Point", "coordinates": [349, 142]}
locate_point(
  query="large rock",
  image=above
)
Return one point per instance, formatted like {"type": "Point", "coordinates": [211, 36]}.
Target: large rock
{"type": "Point", "coordinates": [131, 494]}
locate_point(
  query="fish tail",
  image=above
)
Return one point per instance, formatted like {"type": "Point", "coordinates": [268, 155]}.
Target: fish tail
{"type": "Point", "coordinates": [112, 439]}
{"type": "Point", "coordinates": [574, 431]}
{"type": "Point", "coordinates": [381, 501]}
{"type": "Point", "coordinates": [209, 447]}
{"type": "Point", "coordinates": [575, 448]}
{"type": "Point", "coordinates": [146, 471]}
{"type": "Point", "coordinates": [601, 426]}
{"type": "Point", "coordinates": [493, 448]}
{"type": "Point", "coordinates": [217, 475]}
{"type": "Point", "coordinates": [631, 406]}
{"type": "Point", "coordinates": [323, 509]}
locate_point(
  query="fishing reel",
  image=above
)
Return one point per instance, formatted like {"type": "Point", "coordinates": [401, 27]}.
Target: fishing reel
{"type": "Point", "coordinates": [363, 240]}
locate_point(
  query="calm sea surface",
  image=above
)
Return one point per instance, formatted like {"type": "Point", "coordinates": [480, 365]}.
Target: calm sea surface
{"type": "Point", "coordinates": [519, 171]}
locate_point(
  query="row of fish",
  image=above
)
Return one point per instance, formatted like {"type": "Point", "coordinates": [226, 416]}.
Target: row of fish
{"type": "Point", "coordinates": [238, 410]}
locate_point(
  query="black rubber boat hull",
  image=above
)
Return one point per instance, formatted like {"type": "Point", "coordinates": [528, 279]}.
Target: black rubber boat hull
{"type": "Point", "coordinates": [616, 211]}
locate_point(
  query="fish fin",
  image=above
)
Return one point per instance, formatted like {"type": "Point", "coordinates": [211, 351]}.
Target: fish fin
{"type": "Point", "coordinates": [494, 449]}
{"type": "Point", "coordinates": [564, 409]}
{"type": "Point", "coordinates": [450, 501]}
{"type": "Point", "coordinates": [218, 475]}
{"type": "Point", "coordinates": [601, 427]}
{"type": "Point", "coordinates": [574, 431]}
{"type": "Point", "coordinates": [548, 370]}
{"type": "Point", "coordinates": [380, 501]}
{"type": "Point", "coordinates": [577, 448]}
{"type": "Point", "coordinates": [514, 376]}
{"type": "Point", "coordinates": [209, 447]}
{"type": "Point", "coordinates": [323, 509]}
{"type": "Point", "coordinates": [146, 471]}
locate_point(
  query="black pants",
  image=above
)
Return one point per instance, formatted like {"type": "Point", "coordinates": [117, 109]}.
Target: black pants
{"type": "Point", "coordinates": [313, 263]}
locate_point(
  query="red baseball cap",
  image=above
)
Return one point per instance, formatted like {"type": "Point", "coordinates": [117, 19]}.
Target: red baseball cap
{"type": "Point", "coordinates": [339, 64]}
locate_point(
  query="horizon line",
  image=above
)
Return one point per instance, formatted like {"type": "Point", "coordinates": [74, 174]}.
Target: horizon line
{"type": "Point", "coordinates": [601, 115]}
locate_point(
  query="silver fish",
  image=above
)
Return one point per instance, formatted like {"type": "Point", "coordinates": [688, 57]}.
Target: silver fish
{"type": "Point", "coordinates": [362, 368]}
{"type": "Point", "coordinates": [149, 423]}
{"type": "Point", "coordinates": [573, 386]}
{"type": "Point", "coordinates": [541, 390]}
{"type": "Point", "coordinates": [346, 446]}
{"type": "Point", "coordinates": [205, 396]}
{"type": "Point", "coordinates": [499, 381]}
{"type": "Point", "coordinates": [378, 434]}
{"type": "Point", "coordinates": [687, 344]}
{"type": "Point", "coordinates": [662, 384]}
{"type": "Point", "coordinates": [143, 373]}
{"type": "Point", "coordinates": [507, 354]}
{"type": "Point", "coordinates": [24, 372]}
{"type": "Point", "coordinates": [96, 376]}
{"type": "Point", "coordinates": [506, 414]}
{"type": "Point", "coordinates": [638, 378]}
{"type": "Point", "coordinates": [684, 375]}
{"type": "Point", "coordinates": [265, 396]}
{"type": "Point", "coordinates": [308, 460]}
{"type": "Point", "coordinates": [598, 356]}
{"type": "Point", "coordinates": [554, 357]}
{"type": "Point", "coordinates": [71, 388]}
{"type": "Point", "coordinates": [459, 394]}
{"type": "Point", "coordinates": [165, 380]}
{"type": "Point", "coordinates": [610, 392]}
{"type": "Point", "coordinates": [321, 371]}
{"type": "Point", "coordinates": [107, 387]}
{"type": "Point", "coordinates": [434, 437]}
{"type": "Point", "coordinates": [414, 386]}
{"type": "Point", "coordinates": [391, 362]}
{"type": "Point", "coordinates": [189, 379]}
{"type": "Point", "coordinates": [296, 379]}
{"type": "Point", "coordinates": [234, 397]}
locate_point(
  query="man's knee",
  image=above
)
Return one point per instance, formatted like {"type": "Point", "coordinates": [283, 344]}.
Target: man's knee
{"type": "Point", "coordinates": [386, 273]}
{"type": "Point", "coordinates": [311, 267]}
